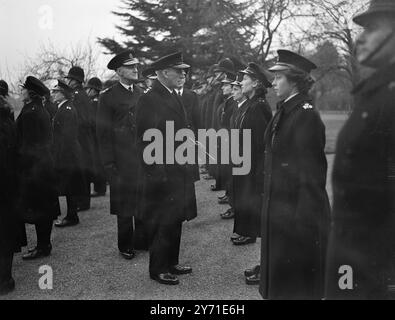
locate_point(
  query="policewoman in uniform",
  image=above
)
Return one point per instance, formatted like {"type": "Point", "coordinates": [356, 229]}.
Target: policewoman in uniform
{"type": "Point", "coordinates": [248, 189]}
{"type": "Point", "coordinates": [81, 102]}
{"type": "Point", "coordinates": [116, 135]}
{"type": "Point", "coordinates": [93, 89]}
{"type": "Point", "coordinates": [363, 217]}
{"type": "Point", "coordinates": [168, 193]}
{"type": "Point", "coordinates": [295, 211]}
{"type": "Point", "coordinates": [37, 196]}
{"type": "Point", "coordinates": [67, 153]}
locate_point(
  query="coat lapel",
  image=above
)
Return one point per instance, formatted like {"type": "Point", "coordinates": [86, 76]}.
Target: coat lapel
{"type": "Point", "coordinates": [169, 100]}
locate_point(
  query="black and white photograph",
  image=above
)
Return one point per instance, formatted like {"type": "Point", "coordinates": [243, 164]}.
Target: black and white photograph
{"type": "Point", "coordinates": [197, 155]}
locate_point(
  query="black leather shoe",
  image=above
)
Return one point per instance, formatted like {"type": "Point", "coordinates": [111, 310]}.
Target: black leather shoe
{"type": "Point", "coordinates": [38, 253]}
{"type": "Point", "coordinates": [228, 215]}
{"type": "Point", "coordinates": [128, 255]}
{"type": "Point", "coordinates": [224, 201]}
{"type": "Point", "coordinates": [166, 278]}
{"type": "Point", "coordinates": [7, 287]}
{"type": "Point", "coordinates": [180, 270]}
{"type": "Point", "coordinates": [253, 280]}
{"type": "Point", "coordinates": [223, 197]}
{"type": "Point", "coordinates": [67, 223]}
{"type": "Point", "coordinates": [242, 241]}
{"type": "Point", "coordinates": [252, 272]}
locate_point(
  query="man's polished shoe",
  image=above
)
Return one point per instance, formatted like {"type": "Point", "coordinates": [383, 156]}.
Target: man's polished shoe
{"type": "Point", "coordinates": [7, 286]}
{"type": "Point", "coordinates": [252, 272]}
{"type": "Point", "coordinates": [67, 223]}
{"type": "Point", "coordinates": [166, 278]}
{"type": "Point", "coordinates": [180, 270]}
{"type": "Point", "coordinates": [242, 241]}
{"type": "Point", "coordinates": [224, 200]}
{"type": "Point", "coordinates": [128, 254]}
{"type": "Point", "coordinates": [253, 280]}
{"type": "Point", "coordinates": [37, 253]}
{"type": "Point", "coordinates": [230, 214]}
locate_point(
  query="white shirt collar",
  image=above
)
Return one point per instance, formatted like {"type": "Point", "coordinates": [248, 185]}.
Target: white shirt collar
{"type": "Point", "coordinates": [171, 91]}
{"type": "Point", "coordinates": [180, 91]}
{"type": "Point", "coordinates": [127, 86]}
{"type": "Point", "coordinates": [239, 105]}
{"type": "Point", "coordinates": [290, 97]}
{"type": "Point", "coordinates": [62, 103]}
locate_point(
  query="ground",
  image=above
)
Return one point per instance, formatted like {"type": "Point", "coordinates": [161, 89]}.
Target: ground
{"type": "Point", "coordinates": [86, 263]}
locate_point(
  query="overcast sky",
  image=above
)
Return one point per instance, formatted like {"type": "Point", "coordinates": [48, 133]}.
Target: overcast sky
{"type": "Point", "coordinates": [27, 24]}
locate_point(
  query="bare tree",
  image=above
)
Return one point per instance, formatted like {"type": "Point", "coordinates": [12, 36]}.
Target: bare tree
{"type": "Point", "coordinates": [273, 15]}
{"type": "Point", "coordinates": [333, 22]}
{"type": "Point", "coordinates": [52, 63]}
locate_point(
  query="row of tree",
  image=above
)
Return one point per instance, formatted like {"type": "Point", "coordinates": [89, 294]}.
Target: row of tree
{"type": "Point", "coordinates": [246, 30]}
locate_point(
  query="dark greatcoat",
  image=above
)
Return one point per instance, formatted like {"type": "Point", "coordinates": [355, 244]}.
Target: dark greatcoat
{"type": "Point", "coordinates": [295, 214]}
{"type": "Point", "coordinates": [191, 103]}
{"type": "Point", "coordinates": [37, 196]}
{"type": "Point", "coordinates": [168, 194]}
{"type": "Point", "coordinates": [363, 218]}
{"type": "Point", "coordinates": [116, 134]}
{"type": "Point", "coordinates": [9, 227]}
{"type": "Point", "coordinates": [98, 163]}
{"type": "Point", "coordinates": [84, 110]}
{"type": "Point", "coordinates": [248, 189]}
{"type": "Point", "coordinates": [67, 152]}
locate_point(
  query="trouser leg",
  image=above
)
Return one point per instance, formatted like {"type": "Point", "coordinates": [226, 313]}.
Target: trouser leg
{"type": "Point", "coordinates": [125, 233]}
{"type": "Point", "coordinates": [164, 250]}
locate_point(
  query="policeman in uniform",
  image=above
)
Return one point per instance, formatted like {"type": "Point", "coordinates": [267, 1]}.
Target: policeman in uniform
{"type": "Point", "coordinates": [75, 80]}
{"type": "Point", "coordinates": [116, 135]}
{"type": "Point", "coordinates": [93, 89]}
{"type": "Point", "coordinates": [363, 218]}
{"type": "Point", "coordinates": [4, 97]}
{"type": "Point", "coordinates": [168, 194]}
{"type": "Point", "coordinates": [67, 153]}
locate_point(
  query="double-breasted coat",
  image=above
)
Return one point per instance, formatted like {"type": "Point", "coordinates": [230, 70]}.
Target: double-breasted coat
{"type": "Point", "coordinates": [363, 217]}
{"type": "Point", "coordinates": [67, 151]}
{"type": "Point", "coordinates": [295, 213]}
{"type": "Point", "coordinates": [37, 194]}
{"type": "Point", "coordinates": [248, 189]}
{"type": "Point", "coordinates": [191, 103]}
{"type": "Point", "coordinates": [84, 110]}
{"type": "Point", "coordinates": [116, 134]}
{"type": "Point", "coordinates": [168, 191]}
{"type": "Point", "coordinates": [9, 226]}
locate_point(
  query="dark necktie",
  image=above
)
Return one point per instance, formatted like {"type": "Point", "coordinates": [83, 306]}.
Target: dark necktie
{"type": "Point", "coordinates": [275, 123]}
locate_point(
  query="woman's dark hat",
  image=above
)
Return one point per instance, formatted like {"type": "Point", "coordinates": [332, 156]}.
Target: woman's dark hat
{"type": "Point", "coordinates": [226, 65]}
{"type": "Point", "coordinates": [376, 8]}
{"type": "Point", "coordinates": [35, 85]}
{"type": "Point", "coordinates": [174, 60]}
{"type": "Point", "coordinates": [254, 70]}
{"type": "Point", "coordinates": [76, 73]}
{"type": "Point", "coordinates": [125, 58]}
{"type": "Point", "coordinates": [288, 59]}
